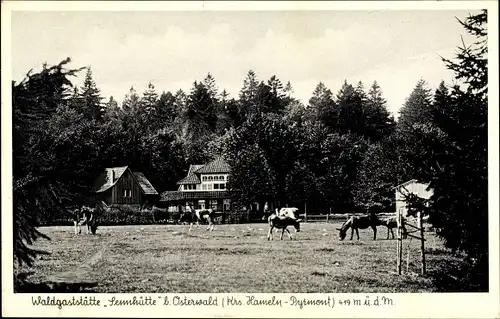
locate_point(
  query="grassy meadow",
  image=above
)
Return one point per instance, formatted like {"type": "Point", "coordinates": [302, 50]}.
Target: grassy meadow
{"type": "Point", "coordinates": [236, 259]}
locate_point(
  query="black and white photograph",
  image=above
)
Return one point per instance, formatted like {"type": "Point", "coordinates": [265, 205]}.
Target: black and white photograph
{"type": "Point", "coordinates": [203, 151]}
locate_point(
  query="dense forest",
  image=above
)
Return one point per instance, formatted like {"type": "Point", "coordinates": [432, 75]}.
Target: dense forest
{"type": "Point", "coordinates": [340, 149]}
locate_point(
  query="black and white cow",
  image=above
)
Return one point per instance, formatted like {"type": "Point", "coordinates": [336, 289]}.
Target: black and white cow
{"type": "Point", "coordinates": [192, 216]}
{"type": "Point", "coordinates": [282, 222]}
{"type": "Point", "coordinates": [85, 216]}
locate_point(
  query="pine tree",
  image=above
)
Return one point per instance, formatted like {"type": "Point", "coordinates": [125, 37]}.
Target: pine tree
{"type": "Point", "coordinates": [417, 107]}
{"type": "Point", "coordinates": [452, 156]}
{"type": "Point", "coordinates": [112, 109]}
{"type": "Point", "coordinates": [380, 123]}
{"type": "Point", "coordinates": [248, 95]}
{"type": "Point", "coordinates": [149, 99]}
{"type": "Point", "coordinates": [112, 104]}
{"type": "Point", "coordinates": [91, 98]}
{"type": "Point", "coordinates": [131, 102]}
{"type": "Point", "coordinates": [276, 87]}
{"type": "Point", "coordinates": [249, 90]}
{"type": "Point", "coordinates": [321, 106]}
{"type": "Point", "coordinates": [350, 108]}
{"type": "Point", "coordinates": [37, 184]}
{"type": "Point", "coordinates": [288, 90]}
{"type": "Point", "coordinates": [211, 86]}
{"type": "Point", "coordinates": [165, 110]}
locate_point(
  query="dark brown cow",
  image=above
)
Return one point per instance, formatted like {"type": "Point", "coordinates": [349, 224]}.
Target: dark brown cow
{"type": "Point", "coordinates": [359, 222]}
{"type": "Point", "coordinates": [279, 222]}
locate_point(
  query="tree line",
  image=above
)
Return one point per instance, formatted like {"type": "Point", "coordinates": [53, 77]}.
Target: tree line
{"type": "Point", "coordinates": [340, 150]}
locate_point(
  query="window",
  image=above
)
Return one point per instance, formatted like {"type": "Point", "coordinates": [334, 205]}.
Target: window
{"type": "Point", "coordinates": [222, 186]}
{"type": "Point", "coordinates": [216, 186]}
{"type": "Point", "coordinates": [210, 178]}
{"type": "Point", "coordinates": [185, 186]}
{"type": "Point", "coordinates": [210, 186]}
{"type": "Point", "coordinates": [213, 204]}
{"type": "Point", "coordinates": [204, 187]}
{"type": "Point", "coordinates": [221, 178]}
{"type": "Point", "coordinates": [204, 178]}
{"type": "Point", "coordinates": [126, 193]}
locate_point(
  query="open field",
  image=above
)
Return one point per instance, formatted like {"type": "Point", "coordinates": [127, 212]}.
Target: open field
{"type": "Point", "coordinates": [235, 258]}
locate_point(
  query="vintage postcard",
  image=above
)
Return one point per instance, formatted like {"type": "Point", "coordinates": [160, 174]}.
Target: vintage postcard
{"type": "Point", "coordinates": [250, 159]}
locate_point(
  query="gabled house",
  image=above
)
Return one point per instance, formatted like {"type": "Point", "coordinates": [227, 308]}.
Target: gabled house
{"type": "Point", "coordinates": [119, 185]}
{"type": "Point", "coordinates": [203, 187]}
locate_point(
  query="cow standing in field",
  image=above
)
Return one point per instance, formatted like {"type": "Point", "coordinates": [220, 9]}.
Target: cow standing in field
{"type": "Point", "coordinates": [391, 223]}
{"type": "Point", "coordinates": [291, 212]}
{"type": "Point", "coordinates": [85, 216]}
{"type": "Point", "coordinates": [359, 222]}
{"type": "Point", "coordinates": [199, 215]}
{"type": "Point", "coordinates": [282, 223]}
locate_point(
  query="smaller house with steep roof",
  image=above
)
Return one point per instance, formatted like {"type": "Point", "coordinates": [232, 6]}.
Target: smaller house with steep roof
{"type": "Point", "coordinates": [119, 185]}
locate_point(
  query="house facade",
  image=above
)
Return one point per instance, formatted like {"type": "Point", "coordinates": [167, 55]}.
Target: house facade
{"type": "Point", "coordinates": [413, 187]}
{"type": "Point", "coordinates": [205, 186]}
{"type": "Point", "coordinates": [120, 186]}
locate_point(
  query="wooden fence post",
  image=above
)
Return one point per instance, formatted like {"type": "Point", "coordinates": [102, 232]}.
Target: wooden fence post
{"type": "Point", "coordinates": [399, 243]}
{"type": "Point", "coordinates": [305, 211]}
{"type": "Point", "coordinates": [422, 245]}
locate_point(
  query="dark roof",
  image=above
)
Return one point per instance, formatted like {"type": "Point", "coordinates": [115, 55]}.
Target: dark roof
{"type": "Point", "coordinates": [190, 179]}
{"type": "Point", "coordinates": [170, 196]}
{"type": "Point", "coordinates": [105, 180]}
{"type": "Point", "coordinates": [193, 168]}
{"type": "Point", "coordinates": [216, 166]}
{"type": "Point", "coordinates": [146, 186]}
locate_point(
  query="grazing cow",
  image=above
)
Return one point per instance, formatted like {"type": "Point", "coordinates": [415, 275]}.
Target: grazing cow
{"type": "Point", "coordinates": [281, 222]}
{"type": "Point", "coordinates": [85, 216]}
{"type": "Point", "coordinates": [359, 222]}
{"type": "Point", "coordinates": [392, 223]}
{"type": "Point", "coordinates": [199, 215]}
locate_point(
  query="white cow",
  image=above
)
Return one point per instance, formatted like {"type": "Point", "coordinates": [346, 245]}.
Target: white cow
{"type": "Point", "coordinates": [291, 212]}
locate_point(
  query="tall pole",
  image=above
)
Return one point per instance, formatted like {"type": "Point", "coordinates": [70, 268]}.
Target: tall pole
{"type": "Point", "coordinates": [422, 246]}
{"type": "Point", "coordinates": [399, 244]}
{"type": "Point", "coordinates": [305, 211]}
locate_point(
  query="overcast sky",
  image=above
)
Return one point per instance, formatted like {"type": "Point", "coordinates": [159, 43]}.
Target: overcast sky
{"type": "Point", "coordinates": [174, 49]}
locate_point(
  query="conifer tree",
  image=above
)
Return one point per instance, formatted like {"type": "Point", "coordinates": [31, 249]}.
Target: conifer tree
{"type": "Point", "coordinates": [90, 98]}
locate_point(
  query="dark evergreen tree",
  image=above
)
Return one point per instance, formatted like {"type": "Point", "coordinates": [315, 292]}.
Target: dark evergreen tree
{"type": "Point", "coordinates": [417, 108]}
{"type": "Point", "coordinates": [39, 184]}
{"type": "Point", "coordinates": [90, 98]}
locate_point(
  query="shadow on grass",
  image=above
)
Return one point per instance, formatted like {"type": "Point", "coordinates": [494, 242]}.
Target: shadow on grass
{"type": "Point", "coordinates": [461, 277]}
{"type": "Point", "coordinates": [52, 287]}
{"type": "Point", "coordinates": [23, 285]}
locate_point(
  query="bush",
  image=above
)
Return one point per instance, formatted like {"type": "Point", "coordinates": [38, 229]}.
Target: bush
{"type": "Point", "coordinates": [125, 215]}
